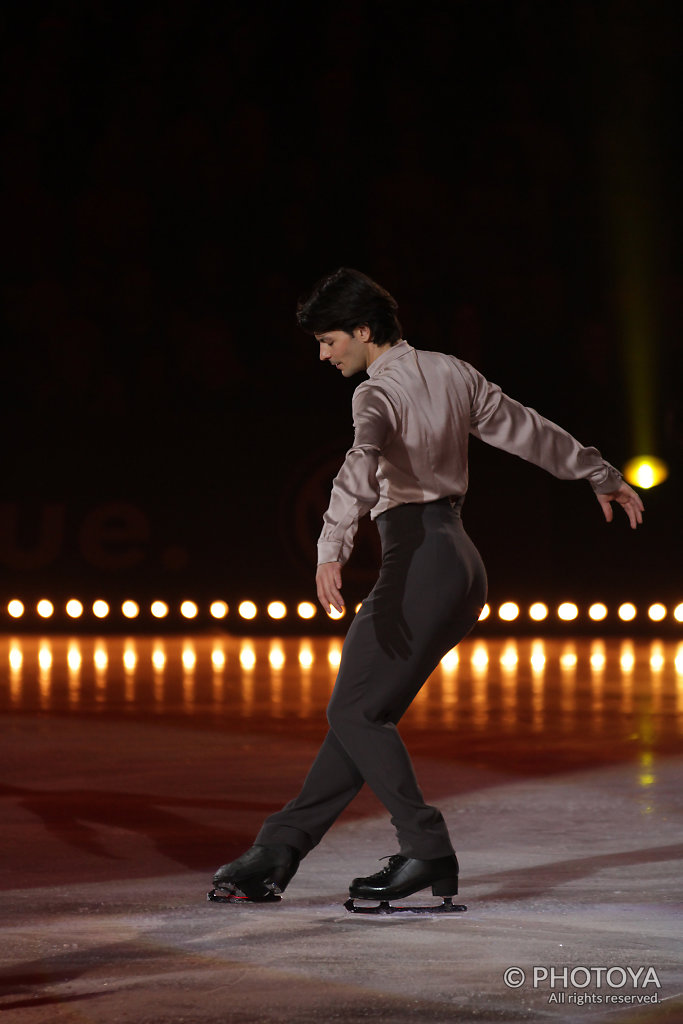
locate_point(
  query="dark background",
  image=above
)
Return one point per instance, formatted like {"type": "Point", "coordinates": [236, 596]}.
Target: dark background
{"type": "Point", "coordinates": [177, 174]}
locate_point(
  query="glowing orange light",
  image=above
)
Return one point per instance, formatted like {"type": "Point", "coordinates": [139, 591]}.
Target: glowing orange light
{"type": "Point", "coordinates": [189, 610]}
{"type": "Point", "coordinates": [74, 608]}
{"type": "Point", "coordinates": [276, 657]}
{"type": "Point", "coordinates": [74, 658]}
{"type": "Point", "coordinates": [480, 658]}
{"type": "Point", "coordinates": [657, 612]}
{"type": "Point", "coordinates": [218, 609]}
{"type": "Point", "coordinates": [305, 656]}
{"type": "Point", "coordinates": [597, 612]}
{"type": "Point", "coordinates": [306, 610]}
{"type": "Point", "coordinates": [45, 608]}
{"type": "Point", "coordinates": [247, 657]}
{"type": "Point", "coordinates": [567, 611]}
{"type": "Point", "coordinates": [131, 609]}
{"type": "Point", "coordinates": [538, 611]}
{"type": "Point", "coordinates": [508, 611]}
{"type": "Point", "coordinates": [100, 609]}
{"type": "Point", "coordinates": [450, 660]}
{"type": "Point", "coordinates": [334, 655]}
{"type": "Point", "coordinates": [627, 612]}
{"type": "Point", "coordinates": [15, 609]}
{"type": "Point", "coordinates": [159, 609]}
{"type": "Point", "coordinates": [247, 609]}
{"type": "Point", "coordinates": [485, 612]}
{"type": "Point", "coordinates": [277, 610]}
{"type": "Point", "coordinates": [334, 614]}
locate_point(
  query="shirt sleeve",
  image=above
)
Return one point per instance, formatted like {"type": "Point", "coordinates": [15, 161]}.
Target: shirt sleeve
{"type": "Point", "coordinates": [355, 489]}
{"type": "Point", "coordinates": [505, 423]}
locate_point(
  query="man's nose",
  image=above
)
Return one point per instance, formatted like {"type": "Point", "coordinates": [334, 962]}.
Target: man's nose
{"type": "Point", "coordinates": [324, 351]}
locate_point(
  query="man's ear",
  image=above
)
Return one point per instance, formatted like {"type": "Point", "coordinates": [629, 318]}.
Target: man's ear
{"type": "Point", "coordinates": [364, 333]}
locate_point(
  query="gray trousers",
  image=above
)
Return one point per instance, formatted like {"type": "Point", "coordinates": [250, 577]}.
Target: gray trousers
{"type": "Point", "coordinates": [429, 594]}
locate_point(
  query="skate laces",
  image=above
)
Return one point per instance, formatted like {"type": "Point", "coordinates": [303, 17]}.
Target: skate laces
{"type": "Point", "coordinates": [394, 860]}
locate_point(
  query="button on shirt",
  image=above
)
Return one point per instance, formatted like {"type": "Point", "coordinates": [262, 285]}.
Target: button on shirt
{"type": "Point", "coordinates": [412, 420]}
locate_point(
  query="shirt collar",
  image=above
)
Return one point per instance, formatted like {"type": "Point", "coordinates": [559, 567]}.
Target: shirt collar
{"type": "Point", "coordinates": [401, 348]}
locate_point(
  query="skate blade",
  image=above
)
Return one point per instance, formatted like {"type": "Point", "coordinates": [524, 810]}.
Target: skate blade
{"type": "Point", "coordinates": [233, 895]}
{"type": "Point", "coordinates": [447, 907]}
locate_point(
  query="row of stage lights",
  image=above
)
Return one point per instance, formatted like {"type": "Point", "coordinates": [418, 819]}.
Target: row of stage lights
{"type": "Point", "coordinates": [277, 610]}
{"type": "Point", "coordinates": [479, 656]}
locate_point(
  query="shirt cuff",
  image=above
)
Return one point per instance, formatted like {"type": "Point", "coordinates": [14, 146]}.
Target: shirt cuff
{"type": "Point", "coordinates": [611, 480]}
{"type": "Point", "coordinates": [330, 551]}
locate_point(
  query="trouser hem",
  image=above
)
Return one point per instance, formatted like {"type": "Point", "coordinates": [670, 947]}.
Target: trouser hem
{"type": "Point", "coordinates": [271, 834]}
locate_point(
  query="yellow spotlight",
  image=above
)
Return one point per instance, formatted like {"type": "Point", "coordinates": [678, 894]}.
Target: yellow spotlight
{"type": "Point", "coordinates": [158, 659]}
{"type": "Point", "coordinates": [45, 658]}
{"type": "Point", "coordinates": [678, 613]}
{"type": "Point", "coordinates": [189, 610]}
{"type": "Point", "coordinates": [16, 609]}
{"type": "Point", "coordinates": [16, 659]}
{"type": "Point", "coordinates": [277, 610]}
{"type": "Point", "coordinates": [74, 608]}
{"type": "Point", "coordinates": [597, 612]}
{"type": "Point", "coordinates": [306, 610]}
{"type": "Point", "coordinates": [189, 659]}
{"type": "Point", "coordinates": [627, 612]}
{"type": "Point", "coordinates": [358, 607]}
{"type": "Point", "coordinates": [538, 611]}
{"type": "Point", "coordinates": [646, 471]}
{"type": "Point", "coordinates": [485, 612]}
{"type": "Point", "coordinates": [131, 609]}
{"type": "Point", "coordinates": [218, 660]}
{"type": "Point", "coordinates": [657, 612]}
{"type": "Point", "coordinates": [334, 614]}
{"type": "Point", "coordinates": [568, 660]}
{"type": "Point", "coordinates": [100, 609]}
{"type": "Point", "coordinates": [567, 611]}
{"type": "Point", "coordinates": [218, 609]}
{"type": "Point", "coordinates": [130, 659]}
{"type": "Point", "coordinates": [247, 609]}
{"type": "Point", "coordinates": [159, 609]}
{"type": "Point", "coordinates": [45, 608]}
{"type": "Point", "coordinates": [508, 611]}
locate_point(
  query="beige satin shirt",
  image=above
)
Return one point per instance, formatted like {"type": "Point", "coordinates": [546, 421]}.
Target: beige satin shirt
{"type": "Point", "coordinates": [412, 420]}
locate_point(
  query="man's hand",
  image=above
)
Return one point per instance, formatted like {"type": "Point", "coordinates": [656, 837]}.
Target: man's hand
{"type": "Point", "coordinates": [629, 501]}
{"type": "Point", "coordinates": [328, 579]}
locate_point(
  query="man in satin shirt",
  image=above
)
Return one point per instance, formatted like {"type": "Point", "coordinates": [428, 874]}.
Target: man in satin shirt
{"type": "Point", "coordinates": [408, 468]}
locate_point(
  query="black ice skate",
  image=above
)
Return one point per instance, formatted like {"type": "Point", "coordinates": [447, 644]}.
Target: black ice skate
{"type": "Point", "coordinates": [402, 877]}
{"type": "Point", "coordinates": [259, 876]}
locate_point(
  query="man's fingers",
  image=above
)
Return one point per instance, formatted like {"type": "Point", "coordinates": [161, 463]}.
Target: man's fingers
{"type": "Point", "coordinates": [329, 581]}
